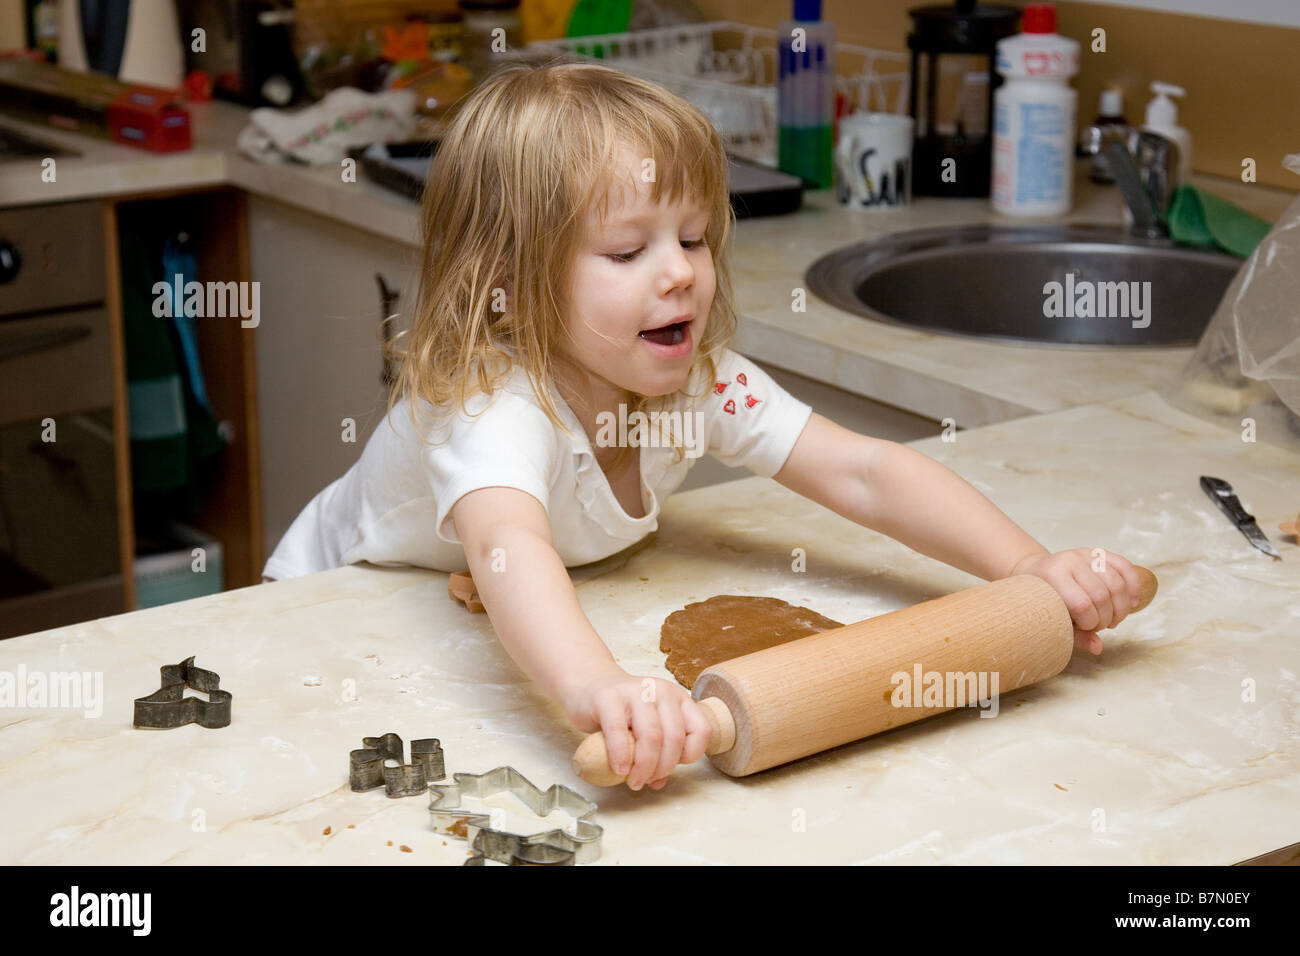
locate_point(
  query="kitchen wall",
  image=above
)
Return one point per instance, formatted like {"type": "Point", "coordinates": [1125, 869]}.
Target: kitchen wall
{"type": "Point", "coordinates": [1241, 76]}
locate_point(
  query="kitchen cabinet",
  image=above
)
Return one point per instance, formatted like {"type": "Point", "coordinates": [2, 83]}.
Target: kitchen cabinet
{"type": "Point", "coordinates": [230, 507]}
{"type": "Point", "coordinates": [320, 348]}
{"type": "Point", "coordinates": [60, 552]}
{"type": "Point", "coordinates": [68, 543]}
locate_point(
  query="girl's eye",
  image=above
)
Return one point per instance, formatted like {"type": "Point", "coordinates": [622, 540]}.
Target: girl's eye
{"type": "Point", "coordinates": [629, 256]}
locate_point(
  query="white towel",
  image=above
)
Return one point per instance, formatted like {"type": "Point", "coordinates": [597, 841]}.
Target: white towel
{"type": "Point", "coordinates": [324, 132]}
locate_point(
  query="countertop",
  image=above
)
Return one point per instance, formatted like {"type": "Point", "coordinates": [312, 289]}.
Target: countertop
{"type": "Point", "coordinates": [936, 376]}
{"type": "Point", "coordinates": [107, 169]}
{"type": "Point", "coordinates": [1180, 744]}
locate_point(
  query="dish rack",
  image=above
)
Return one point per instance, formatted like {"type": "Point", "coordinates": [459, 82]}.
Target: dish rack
{"type": "Point", "coordinates": [728, 71]}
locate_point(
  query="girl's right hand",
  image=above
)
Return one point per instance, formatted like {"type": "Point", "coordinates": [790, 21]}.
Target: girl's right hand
{"type": "Point", "coordinates": [650, 725]}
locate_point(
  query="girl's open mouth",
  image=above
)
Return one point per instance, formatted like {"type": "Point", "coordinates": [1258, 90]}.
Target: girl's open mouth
{"type": "Point", "coordinates": [666, 335]}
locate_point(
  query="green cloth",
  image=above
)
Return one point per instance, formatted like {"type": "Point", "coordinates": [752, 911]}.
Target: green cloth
{"type": "Point", "coordinates": [174, 439]}
{"type": "Point", "coordinates": [1198, 218]}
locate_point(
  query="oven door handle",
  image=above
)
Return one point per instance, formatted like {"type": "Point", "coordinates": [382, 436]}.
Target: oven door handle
{"type": "Point", "coordinates": [14, 345]}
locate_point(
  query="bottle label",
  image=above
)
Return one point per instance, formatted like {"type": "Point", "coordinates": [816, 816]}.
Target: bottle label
{"type": "Point", "coordinates": [1032, 154]}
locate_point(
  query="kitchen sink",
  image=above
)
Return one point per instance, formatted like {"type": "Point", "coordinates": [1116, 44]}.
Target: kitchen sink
{"type": "Point", "coordinates": [1075, 285]}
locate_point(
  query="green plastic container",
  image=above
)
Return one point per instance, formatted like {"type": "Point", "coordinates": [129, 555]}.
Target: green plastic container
{"type": "Point", "coordinates": [171, 576]}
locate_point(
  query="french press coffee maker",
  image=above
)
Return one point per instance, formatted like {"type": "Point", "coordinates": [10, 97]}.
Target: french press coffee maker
{"type": "Point", "coordinates": [953, 54]}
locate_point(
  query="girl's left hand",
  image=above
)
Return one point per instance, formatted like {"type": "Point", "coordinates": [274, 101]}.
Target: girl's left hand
{"type": "Point", "coordinates": [1096, 599]}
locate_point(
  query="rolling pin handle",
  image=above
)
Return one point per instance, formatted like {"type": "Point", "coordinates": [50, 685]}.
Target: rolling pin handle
{"type": "Point", "coordinates": [1147, 585]}
{"type": "Point", "coordinates": [591, 761]}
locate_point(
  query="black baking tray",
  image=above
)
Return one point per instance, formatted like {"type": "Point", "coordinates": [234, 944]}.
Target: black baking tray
{"type": "Point", "coordinates": [756, 190]}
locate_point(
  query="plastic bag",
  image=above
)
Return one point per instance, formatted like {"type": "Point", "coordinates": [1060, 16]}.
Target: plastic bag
{"type": "Point", "coordinates": [1247, 363]}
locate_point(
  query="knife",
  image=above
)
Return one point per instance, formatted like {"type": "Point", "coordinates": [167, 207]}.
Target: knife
{"type": "Point", "coordinates": [1221, 494]}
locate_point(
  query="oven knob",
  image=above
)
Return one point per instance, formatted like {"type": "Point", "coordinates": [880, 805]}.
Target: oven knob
{"type": "Point", "coordinates": [10, 262]}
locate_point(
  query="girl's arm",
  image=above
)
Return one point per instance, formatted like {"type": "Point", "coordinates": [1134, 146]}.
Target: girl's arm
{"type": "Point", "coordinates": [892, 489]}
{"type": "Point", "coordinates": [526, 590]}
{"type": "Point", "coordinates": [534, 609]}
{"type": "Point", "coordinates": [900, 492]}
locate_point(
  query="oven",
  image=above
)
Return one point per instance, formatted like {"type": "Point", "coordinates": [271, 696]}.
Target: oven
{"type": "Point", "coordinates": [59, 553]}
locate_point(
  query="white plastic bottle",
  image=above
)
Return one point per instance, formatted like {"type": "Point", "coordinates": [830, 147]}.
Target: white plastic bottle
{"type": "Point", "coordinates": [1034, 118]}
{"type": "Point", "coordinates": [1162, 118]}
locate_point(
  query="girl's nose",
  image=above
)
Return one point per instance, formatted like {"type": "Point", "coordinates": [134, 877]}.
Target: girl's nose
{"type": "Point", "coordinates": [678, 271]}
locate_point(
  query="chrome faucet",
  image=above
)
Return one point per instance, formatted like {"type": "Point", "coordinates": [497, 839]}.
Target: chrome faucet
{"type": "Point", "coordinates": [1146, 171]}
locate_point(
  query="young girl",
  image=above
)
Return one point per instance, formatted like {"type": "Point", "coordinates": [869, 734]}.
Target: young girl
{"type": "Point", "coordinates": [575, 274]}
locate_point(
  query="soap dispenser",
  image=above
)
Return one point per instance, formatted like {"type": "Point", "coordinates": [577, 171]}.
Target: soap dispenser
{"type": "Point", "coordinates": [1162, 118]}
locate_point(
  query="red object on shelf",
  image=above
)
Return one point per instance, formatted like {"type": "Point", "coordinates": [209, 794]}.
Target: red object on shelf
{"type": "Point", "coordinates": [149, 118]}
{"type": "Point", "coordinates": [198, 86]}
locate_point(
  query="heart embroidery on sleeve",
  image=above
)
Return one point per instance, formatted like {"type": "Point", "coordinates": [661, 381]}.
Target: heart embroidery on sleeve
{"type": "Point", "coordinates": [730, 406]}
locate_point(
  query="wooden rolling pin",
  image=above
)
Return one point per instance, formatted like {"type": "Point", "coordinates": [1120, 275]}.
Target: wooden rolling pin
{"type": "Point", "coordinates": [785, 702]}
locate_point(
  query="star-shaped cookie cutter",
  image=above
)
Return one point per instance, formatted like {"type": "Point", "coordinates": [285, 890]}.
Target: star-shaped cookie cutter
{"type": "Point", "coordinates": [168, 707]}
{"type": "Point", "coordinates": [551, 848]}
{"type": "Point", "coordinates": [367, 768]}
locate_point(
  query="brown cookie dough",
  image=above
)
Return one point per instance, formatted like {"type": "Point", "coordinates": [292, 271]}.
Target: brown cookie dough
{"type": "Point", "coordinates": [730, 626]}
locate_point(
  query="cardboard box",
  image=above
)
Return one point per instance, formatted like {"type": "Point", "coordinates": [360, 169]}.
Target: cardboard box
{"type": "Point", "coordinates": [147, 117]}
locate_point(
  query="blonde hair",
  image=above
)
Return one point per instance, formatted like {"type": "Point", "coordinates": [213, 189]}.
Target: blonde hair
{"type": "Point", "coordinates": [517, 172]}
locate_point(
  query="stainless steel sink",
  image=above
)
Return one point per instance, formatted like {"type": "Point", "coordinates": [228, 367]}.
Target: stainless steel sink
{"type": "Point", "coordinates": [1066, 285]}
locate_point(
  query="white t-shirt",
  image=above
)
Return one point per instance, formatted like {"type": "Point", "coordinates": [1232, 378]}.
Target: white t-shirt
{"type": "Point", "coordinates": [393, 507]}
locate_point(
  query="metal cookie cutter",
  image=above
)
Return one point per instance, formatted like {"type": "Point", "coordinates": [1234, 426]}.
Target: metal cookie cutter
{"type": "Point", "coordinates": [168, 706]}
{"type": "Point", "coordinates": [367, 769]}
{"type": "Point", "coordinates": [551, 848]}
